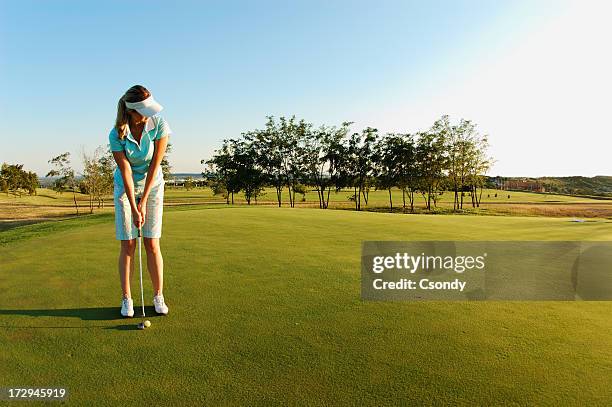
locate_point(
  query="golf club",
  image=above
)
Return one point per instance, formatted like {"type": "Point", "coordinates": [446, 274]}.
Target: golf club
{"type": "Point", "coordinates": [141, 325]}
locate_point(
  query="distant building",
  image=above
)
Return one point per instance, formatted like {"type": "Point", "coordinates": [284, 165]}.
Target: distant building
{"type": "Point", "coordinates": [178, 180]}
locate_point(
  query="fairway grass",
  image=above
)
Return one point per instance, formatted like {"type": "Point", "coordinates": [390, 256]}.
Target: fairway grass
{"type": "Point", "coordinates": [265, 309]}
{"type": "Point", "coordinates": [17, 210]}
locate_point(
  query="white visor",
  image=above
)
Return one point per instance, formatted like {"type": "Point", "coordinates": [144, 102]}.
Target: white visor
{"type": "Point", "coordinates": [148, 107]}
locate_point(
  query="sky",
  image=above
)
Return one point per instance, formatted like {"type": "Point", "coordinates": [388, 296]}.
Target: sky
{"type": "Point", "coordinates": [534, 75]}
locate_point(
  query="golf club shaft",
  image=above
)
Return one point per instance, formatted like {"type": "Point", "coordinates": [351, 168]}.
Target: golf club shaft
{"type": "Point", "coordinates": [140, 265]}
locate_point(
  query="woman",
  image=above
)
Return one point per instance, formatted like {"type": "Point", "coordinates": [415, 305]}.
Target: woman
{"type": "Point", "coordinates": [138, 143]}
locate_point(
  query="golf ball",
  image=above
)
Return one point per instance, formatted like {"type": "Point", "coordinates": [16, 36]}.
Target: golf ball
{"type": "Point", "coordinates": [147, 323]}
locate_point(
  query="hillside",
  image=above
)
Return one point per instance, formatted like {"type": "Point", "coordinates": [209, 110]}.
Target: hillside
{"type": "Point", "coordinates": [575, 185]}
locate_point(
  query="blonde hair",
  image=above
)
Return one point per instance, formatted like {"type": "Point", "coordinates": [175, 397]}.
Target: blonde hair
{"type": "Point", "coordinates": [136, 93]}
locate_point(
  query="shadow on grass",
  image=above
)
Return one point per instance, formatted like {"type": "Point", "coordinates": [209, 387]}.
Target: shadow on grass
{"type": "Point", "coordinates": [127, 327]}
{"type": "Point", "coordinates": [85, 314]}
{"type": "Point", "coordinates": [50, 327]}
{"type": "Point", "coordinates": [131, 326]}
{"type": "Point", "coordinates": [48, 217]}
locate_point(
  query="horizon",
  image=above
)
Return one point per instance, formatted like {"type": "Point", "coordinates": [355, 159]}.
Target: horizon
{"type": "Point", "coordinates": [530, 74]}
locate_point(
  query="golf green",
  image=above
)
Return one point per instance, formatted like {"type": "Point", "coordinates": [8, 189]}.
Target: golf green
{"type": "Point", "coordinates": [265, 309]}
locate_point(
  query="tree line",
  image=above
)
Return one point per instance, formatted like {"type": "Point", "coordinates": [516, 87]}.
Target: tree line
{"type": "Point", "coordinates": [96, 180]}
{"type": "Point", "coordinates": [14, 179]}
{"type": "Point", "coordinates": [293, 154]}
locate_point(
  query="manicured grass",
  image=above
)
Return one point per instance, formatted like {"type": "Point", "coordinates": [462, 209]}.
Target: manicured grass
{"type": "Point", "coordinates": [265, 310]}
{"type": "Point", "coordinates": [381, 198]}
{"type": "Point", "coordinates": [49, 205]}
{"type": "Point", "coordinates": [376, 198]}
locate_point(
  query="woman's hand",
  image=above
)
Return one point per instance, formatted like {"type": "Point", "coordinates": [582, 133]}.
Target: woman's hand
{"type": "Point", "coordinates": [137, 217]}
{"type": "Point", "coordinates": [142, 208]}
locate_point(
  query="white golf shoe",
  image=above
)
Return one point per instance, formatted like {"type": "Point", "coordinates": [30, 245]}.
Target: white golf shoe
{"type": "Point", "coordinates": [160, 305]}
{"type": "Point", "coordinates": [127, 307]}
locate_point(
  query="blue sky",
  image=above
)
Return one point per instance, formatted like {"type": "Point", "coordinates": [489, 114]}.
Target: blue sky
{"type": "Point", "coordinates": [220, 67]}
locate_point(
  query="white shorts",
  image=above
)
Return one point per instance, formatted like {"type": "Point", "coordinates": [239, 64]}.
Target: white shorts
{"type": "Point", "coordinates": [152, 227]}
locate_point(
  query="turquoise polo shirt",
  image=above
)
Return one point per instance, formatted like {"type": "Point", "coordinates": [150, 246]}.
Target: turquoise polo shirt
{"type": "Point", "coordinates": [139, 154]}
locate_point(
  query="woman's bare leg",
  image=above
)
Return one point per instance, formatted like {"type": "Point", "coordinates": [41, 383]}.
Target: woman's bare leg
{"type": "Point", "coordinates": [155, 264]}
{"type": "Point", "coordinates": [126, 261]}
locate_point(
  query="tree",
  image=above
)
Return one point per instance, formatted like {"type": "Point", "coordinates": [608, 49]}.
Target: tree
{"type": "Point", "coordinates": [189, 184]}
{"type": "Point", "coordinates": [360, 162]}
{"type": "Point", "coordinates": [165, 163]}
{"type": "Point", "coordinates": [91, 177]}
{"type": "Point", "coordinates": [106, 166]}
{"type": "Point", "coordinates": [323, 152]}
{"type": "Point", "coordinates": [224, 169]}
{"type": "Point", "coordinates": [65, 174]}
{"type": "Point", "coordinates": [292, 154]}
{"type": "Point", "coordinates": [267, 145]}
{"type": "Point", "coordinates": [293, 135]}
{"type": "Point", "coordinates": [13, 178]}
{"type": "Point", "coordinates": [97, 176]}
{"type": "Point", "coordinates": [386, 165]}
{"type": "Point", "coordinates": [301, 189]}
{"type": "Point", "coordinates": [4, 182]}
{"type": "Point", "coordinates": [250, 177]}
{"type": "Point", "coordinates": [432, 160]}
{"type": "Point", "coordinates": [314, 164]}
{"type": "Point", "coordinates": [213, 180]}
{"type": "Point", "coordinates": [455, 153]}
{"type": "Point", "coordinates": [408, 168]}
{"type": "Point", "coordinates": [479, 163]}
{"type": "Point", "coordinates": [396, 166]}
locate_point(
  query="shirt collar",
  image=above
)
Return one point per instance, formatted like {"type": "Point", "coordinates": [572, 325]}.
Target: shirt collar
{"type": "Point", "coordinates": [149, 125]}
